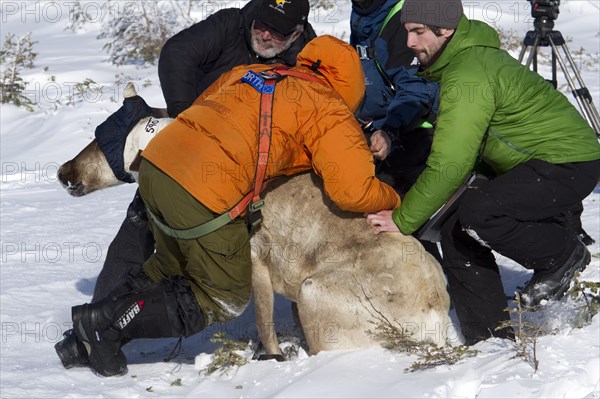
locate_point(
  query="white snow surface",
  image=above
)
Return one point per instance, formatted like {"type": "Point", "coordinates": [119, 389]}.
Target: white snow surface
{"type": "Point", "coordinates": [53, 247]}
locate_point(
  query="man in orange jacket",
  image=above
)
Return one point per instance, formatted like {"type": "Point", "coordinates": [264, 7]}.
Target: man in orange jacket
{"type": "Point", "coordinates": [204, 163]}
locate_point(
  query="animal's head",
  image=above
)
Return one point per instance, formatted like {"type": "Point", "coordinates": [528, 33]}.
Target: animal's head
{"type": "Point", "coordinates": [107, 161]}
{"type": "Point", "coordinates": [87, 172]}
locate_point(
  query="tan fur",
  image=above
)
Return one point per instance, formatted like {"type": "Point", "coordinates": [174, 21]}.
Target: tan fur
{"type": "Point", "coordinates": [87, 172]}
{"type": "Point", "coordinates": [342, 277]}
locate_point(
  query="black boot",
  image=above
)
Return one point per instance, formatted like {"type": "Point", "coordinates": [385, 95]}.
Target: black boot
{"type": "Point", "coordinates": [552, 284]}
{"type": "Point", "coordinates": [71, 351]}
{"type": "Point", "coordinates": [96, 326]}
{"type": "Point", "coordinates": [168, 309]}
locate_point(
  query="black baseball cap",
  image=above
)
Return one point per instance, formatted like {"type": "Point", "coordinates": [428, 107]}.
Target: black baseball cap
{"type": "Point", "coordinates": [283, 15]}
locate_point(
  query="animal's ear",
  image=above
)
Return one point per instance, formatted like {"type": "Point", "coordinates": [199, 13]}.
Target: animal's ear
{"type": "Point", "coordinates": [129, 90]}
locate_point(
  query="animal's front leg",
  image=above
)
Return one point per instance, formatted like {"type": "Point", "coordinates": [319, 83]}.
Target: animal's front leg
{"type": "Point", "coordinates": [262, 289]}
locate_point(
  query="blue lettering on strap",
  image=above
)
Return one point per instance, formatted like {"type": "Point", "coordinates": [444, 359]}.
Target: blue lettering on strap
{"type": "Point", "coordinates": [269, 88]}
{"type": "Point", "coordinates": [258, 82]}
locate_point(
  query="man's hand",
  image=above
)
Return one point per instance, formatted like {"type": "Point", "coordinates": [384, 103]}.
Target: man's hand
{"type": "Point", "coordinates": [381, 144]}
{"type": "Point", "coordinates": [382, 221]}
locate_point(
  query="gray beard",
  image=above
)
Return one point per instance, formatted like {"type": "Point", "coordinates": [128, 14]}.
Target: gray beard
{"type": "Point", "coordinates": [270, 52]}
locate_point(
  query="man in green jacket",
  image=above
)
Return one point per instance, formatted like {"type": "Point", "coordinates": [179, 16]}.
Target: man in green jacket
{"type": "Point", "coordinates": [545, 157]}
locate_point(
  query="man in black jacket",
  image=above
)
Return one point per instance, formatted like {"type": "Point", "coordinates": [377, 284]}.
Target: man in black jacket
{"type": "Point", "coordinates": [264, 31]}
{"type": "Point", "coordinates": [259, 33]}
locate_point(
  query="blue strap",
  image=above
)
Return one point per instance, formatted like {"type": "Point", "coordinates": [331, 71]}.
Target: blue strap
{"type": "Point", "coordinates": [258, 82]}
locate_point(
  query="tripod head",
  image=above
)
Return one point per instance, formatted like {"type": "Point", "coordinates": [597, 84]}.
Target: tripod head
{"type": "Point", "coordinates": [544, 13]}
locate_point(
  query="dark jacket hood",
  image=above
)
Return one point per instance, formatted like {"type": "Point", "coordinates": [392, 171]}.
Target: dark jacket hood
{"type": "Point", "coordinates": [371, 8]}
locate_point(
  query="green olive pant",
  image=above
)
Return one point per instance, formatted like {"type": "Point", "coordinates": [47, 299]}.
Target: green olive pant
{"type": "Point", "coordinates": [217, 265]}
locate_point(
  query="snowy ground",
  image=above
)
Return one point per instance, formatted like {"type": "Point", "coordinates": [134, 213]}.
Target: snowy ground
{"type": "Point", "coordinates": [53, 247]}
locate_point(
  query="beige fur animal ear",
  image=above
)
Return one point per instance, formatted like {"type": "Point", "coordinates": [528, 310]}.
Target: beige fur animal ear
{"type": "Point", "coordinates": [129, 90]}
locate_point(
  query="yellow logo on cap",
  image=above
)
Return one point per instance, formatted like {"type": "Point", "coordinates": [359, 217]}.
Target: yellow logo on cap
{"type": "Point", "coordinates": [280, 3]}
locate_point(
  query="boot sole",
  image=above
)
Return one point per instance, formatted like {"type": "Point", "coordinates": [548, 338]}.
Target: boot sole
{"type": "Point", "coordinates": [71, 351]}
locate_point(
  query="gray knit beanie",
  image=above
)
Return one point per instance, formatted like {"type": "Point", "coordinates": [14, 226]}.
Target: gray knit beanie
{"type": "Point", "coordinates": [438, 13]}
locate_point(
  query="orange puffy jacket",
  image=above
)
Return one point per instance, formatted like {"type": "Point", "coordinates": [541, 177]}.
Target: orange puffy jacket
{"type": "Point", "coordinates": [211, 148]}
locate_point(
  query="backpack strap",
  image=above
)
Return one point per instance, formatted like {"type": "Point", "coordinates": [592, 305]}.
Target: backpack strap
{"type": "Point", "coordinates": [390, 15]}
{"type": "Point", "coordinates": [264, 82]}
{"type": "Point", "coordinates": [369, 53]}
{"type": "Point", "coordinates": [387, 19]}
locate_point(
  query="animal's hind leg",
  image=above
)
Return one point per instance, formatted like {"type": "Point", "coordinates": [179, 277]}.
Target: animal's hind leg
{"type": "Point", "coordinates": [262, 289]}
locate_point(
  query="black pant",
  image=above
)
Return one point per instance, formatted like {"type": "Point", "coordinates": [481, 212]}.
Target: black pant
{"type": "Point", "coordinates": [517, 215]}
{"type": "Point", "coordinates": [131, 247]}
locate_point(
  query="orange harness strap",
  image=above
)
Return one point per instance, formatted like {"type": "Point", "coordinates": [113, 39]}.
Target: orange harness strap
{"type": "Point", "coordinates": [264, 82]}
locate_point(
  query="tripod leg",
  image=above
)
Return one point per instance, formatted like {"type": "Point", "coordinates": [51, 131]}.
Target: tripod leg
{"type": "Point", "coordinates": [584, 92]}
{"type": "Point", "coordinates": [554, 80]}
{"type": "Point", "coordinates": [522, 53]}
{"type": "Point", "coordinates": [533, 53]}
{"type": "Point", "coordinates": [582, 96]}
{"type": "Point", "coordinates": [531, 42]}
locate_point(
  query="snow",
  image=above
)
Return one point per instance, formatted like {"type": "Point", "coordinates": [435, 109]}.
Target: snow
{"type": "Point", "coordinates": [53, 247]}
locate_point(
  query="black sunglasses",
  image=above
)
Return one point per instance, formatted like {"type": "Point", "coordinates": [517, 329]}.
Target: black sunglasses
{"type": "Point", "coordinates": [262, 26]}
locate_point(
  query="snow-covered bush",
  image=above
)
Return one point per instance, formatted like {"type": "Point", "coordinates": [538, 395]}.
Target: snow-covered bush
{"type": "Point", "coordinates": [135, 31]}
{"type": "Point", "coordinates": [16, 54]}
{"type": "Point", "coordinates": [137, 34]}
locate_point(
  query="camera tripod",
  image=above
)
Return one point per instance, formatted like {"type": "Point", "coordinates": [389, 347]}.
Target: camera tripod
{"type": "Point", "coordinates": [544, 36]}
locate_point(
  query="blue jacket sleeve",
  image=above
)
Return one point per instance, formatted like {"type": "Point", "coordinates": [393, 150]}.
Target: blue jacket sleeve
{"type": "Point", "coordinates": [415, 99]}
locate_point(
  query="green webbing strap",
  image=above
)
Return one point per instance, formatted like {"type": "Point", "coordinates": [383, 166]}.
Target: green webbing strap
{"type": "Point", "coordinates": [265, 85]}
{"type": "Point", "coordinates": [194, 232]}
{"type": "Point", "coordinates": [390, 15]}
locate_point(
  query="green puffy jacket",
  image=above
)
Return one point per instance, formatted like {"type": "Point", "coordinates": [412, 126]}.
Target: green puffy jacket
{"type": "Point", "coordinates": [488, 96]}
